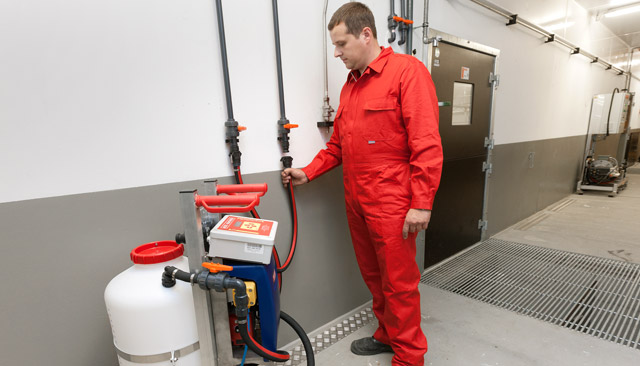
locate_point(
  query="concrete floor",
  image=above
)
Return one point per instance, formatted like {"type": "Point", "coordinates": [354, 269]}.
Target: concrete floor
{"type": "Point", "coordinates": [462, 331]}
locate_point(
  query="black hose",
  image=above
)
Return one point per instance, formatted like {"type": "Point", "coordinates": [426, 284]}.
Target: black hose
{"type": "Point", "coordinates": [613, 94]}
{"type": "Point", "coordinates": [311, 361]}
{"type": "Point", "coordinates": [171, 274]}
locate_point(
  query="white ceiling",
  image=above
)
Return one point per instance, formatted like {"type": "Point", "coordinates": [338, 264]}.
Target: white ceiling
{"type": "Point", "coordinates": [627, 27]}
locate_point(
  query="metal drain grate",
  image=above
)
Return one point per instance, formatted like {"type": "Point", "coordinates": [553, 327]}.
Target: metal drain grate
{"type": "Point", "coordinates": [596, 296]}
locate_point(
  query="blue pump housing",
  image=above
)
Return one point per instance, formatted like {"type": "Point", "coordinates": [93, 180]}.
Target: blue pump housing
{"type": "Point", "coordinates": [268, 296]}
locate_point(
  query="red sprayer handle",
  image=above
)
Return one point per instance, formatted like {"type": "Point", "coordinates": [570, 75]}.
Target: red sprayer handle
{"type": "Point", "coordinates": [242, 198]}
{"type": "Point", "coordinates": [230, 204]}
{"type": "Point", "coordinates": [259, 189]}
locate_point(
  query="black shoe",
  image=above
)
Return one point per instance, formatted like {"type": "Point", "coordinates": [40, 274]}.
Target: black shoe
{"type": "Point", "coordinates": [369, 346]}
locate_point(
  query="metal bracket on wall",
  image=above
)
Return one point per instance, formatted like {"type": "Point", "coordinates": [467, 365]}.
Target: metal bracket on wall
{"type": "Point", "coordinates": [487, 167]}
{"type": "Point", "coordinates": [483, 224]}
{"type": "Point", "coordinates": [488, 143]}
{"type": "Point", "coordinates": [494, 79]}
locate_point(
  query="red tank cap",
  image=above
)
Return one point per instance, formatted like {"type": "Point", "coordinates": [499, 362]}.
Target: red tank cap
{"type": "Point", "coordinates": [157, 252]}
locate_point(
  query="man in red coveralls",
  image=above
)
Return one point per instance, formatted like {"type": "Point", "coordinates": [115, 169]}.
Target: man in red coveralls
{"type": "Point", "coordinates": [386, 137]}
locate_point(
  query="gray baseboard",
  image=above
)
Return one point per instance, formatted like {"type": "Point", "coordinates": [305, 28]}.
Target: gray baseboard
{"type": "Point", "coordinates": [529, 176]}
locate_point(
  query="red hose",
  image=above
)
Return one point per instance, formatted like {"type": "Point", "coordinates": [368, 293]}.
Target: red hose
{"type": "Point", "coordinates": [254, 213]}
{"type": "Point", "coordinates": [279, 356]}
{"type": "Point", "coordinates": [294, 239]}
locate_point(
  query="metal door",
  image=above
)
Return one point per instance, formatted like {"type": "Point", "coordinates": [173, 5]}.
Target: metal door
{"type": "Point", "coordinates": [463, 74]}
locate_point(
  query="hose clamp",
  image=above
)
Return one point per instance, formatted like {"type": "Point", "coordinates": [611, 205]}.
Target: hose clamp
{"type": "Point", "coordinates": [192, 278]}
{"type": "Point", "coordinates": [173, 274]}
{"type": "Point", "coordinates": [171, 356]}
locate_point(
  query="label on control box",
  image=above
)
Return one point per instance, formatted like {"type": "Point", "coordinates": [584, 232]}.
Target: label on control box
{"type": "Point", "coordinates": [246, 225]}
{"type": "Point", "coordinates": [253, 248]}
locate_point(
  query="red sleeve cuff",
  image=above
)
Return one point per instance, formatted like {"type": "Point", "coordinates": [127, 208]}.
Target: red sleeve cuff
{"type": "Point", "coordinates": [422, 204]}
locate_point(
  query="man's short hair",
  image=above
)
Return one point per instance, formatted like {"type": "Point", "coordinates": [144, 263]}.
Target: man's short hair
{"type": "Point", "coordinates": [356, 16]}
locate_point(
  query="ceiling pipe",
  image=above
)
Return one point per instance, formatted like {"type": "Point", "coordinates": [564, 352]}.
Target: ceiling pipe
{"type": "Point", "coordinates": [551, 37]}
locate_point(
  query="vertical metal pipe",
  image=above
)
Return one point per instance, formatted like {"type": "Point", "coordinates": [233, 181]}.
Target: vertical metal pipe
{"type": "Point", "coordinates": [194, 251]}
{"type": "Point", "coordinates": [232, 133]}
{"type": "Point", "coordinates": [425, 23]}
{"type": "Point", "coordinates": [409, 27]}
{"type": "Point", "coordinates": [392, 24]}
{"type": "Point", "coordinates": [324, 51]}
{"type": "Point", "coordinates": [627, 83]}
{"type": "Point", "coordinates": [276, 30]}
{"type": "Point", "coordinates": [402, 27]}
{"type": "Point", "coordinates": [327, 110]}
{"type": "Point", "coordinates": [225, 62]}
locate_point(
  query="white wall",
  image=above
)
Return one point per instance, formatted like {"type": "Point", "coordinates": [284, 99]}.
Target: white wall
{"type": "Point", "coordinates": [544, 92]}
{"type": "Point", "coordinates": [105, 95]}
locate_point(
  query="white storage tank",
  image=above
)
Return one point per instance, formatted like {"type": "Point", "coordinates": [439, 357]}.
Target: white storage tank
{"type": "Point", "coordinates": [151, 323]}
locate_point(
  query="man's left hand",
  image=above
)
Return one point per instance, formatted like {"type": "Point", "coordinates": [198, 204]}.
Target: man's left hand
{"type": "Point", "coordinates": [415, 221]}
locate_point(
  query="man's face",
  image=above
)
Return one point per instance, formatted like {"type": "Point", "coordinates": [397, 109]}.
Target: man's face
{"type": "Point", "coordinates": [349, 48]}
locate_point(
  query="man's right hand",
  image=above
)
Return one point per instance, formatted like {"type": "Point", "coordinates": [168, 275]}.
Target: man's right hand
{"type": "Point", "coordinates": [294, 176]}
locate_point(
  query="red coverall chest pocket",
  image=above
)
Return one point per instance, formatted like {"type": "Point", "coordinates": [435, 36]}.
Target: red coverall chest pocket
{"type": "Point", "coordinates": [380, 117]}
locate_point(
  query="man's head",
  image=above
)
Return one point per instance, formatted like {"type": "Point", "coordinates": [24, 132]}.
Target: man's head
{"type": "Point", "coordinates": [353, 32]}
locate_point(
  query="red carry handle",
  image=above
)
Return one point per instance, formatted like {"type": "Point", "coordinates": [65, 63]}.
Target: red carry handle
{"type": "Point", "coordinates": [259, 189]}
{"type": "Point", "coordinates": [231, 204]}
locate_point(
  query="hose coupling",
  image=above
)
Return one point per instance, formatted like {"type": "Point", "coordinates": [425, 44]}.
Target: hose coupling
{"type": "Point", "coordinates": [171, 274]}
{"type": "Point", "coordinates": [287, 161]}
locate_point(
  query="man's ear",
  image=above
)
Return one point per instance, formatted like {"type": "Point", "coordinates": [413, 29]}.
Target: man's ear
{"type": "Point", "coordinates": [366, 34]}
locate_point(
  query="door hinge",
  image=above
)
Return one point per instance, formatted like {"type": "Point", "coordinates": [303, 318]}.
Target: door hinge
{"type": "Point", "coordinates": [487, 167]}
{"type": "Point", "coordinates": [494, 79]}
{"type": "Point", "coordinates": [483, 224]}
{"type": "Point", "coordinates": [488, 143]}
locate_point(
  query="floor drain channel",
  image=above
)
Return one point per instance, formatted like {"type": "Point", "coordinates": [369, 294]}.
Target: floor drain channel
{"type": "Point", "coordinates": [592, 295]}
{"type": "Point", "coordinates": [326, 336]}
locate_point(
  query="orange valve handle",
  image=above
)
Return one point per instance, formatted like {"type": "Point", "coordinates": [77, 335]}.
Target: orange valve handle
{"type": "Point", "coordinates": [231, 204]}
{"type": "Point", "coordinates": [290, 125]}
{"type": "Point", "coordinates": [259, 189]}
{"type": "Point", "coordinates": [405, 21]}
{"type": "Point", "coordinates": [241, 128]}
{"type": "Point", "coordinates": [217, 267]}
